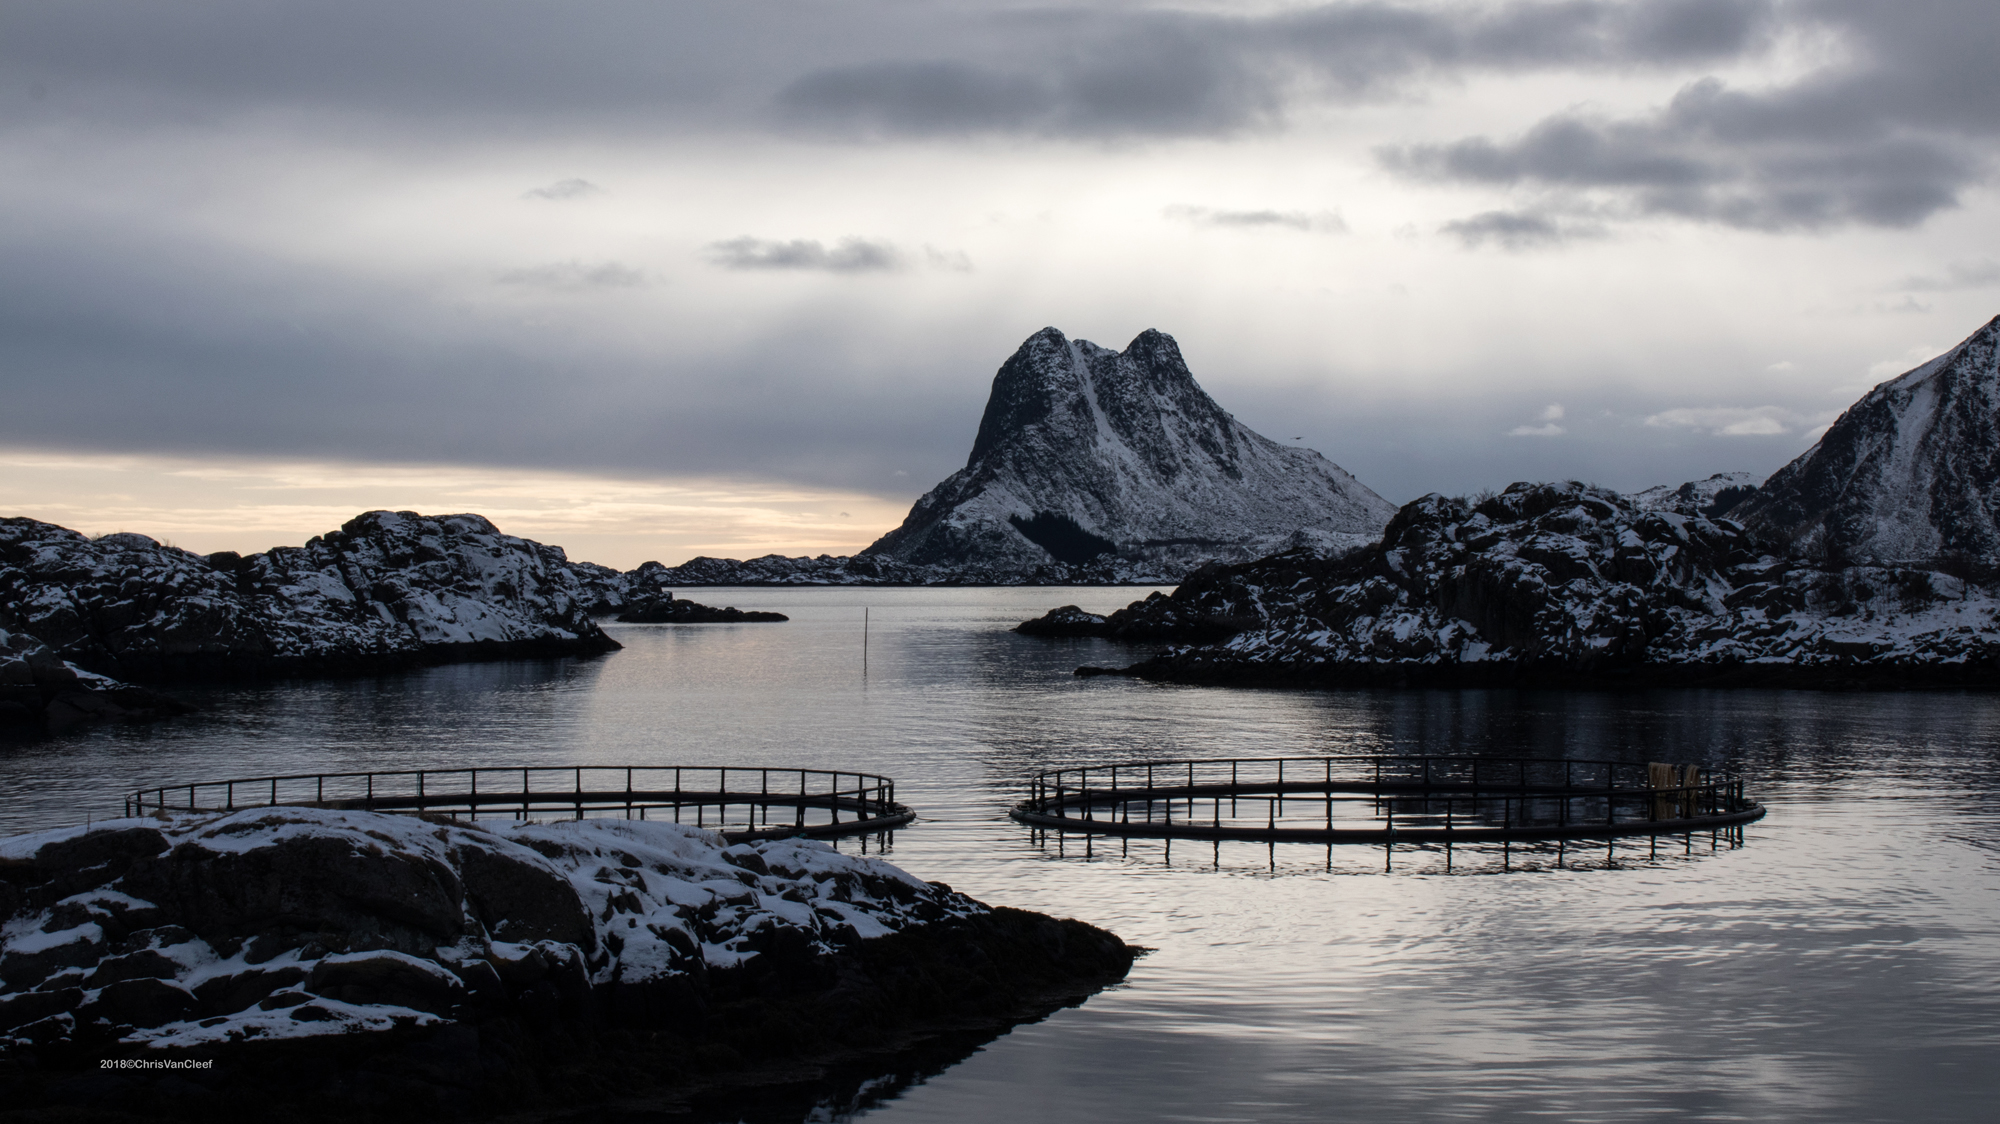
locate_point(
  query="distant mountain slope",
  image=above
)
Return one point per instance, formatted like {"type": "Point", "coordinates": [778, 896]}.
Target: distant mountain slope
{"type": "Point", "coordinates": [1910, 472]}
{"type": "Point", "coordinates": [1710, 499]}
{"type": "Point", "coordinates": [1085, 452]}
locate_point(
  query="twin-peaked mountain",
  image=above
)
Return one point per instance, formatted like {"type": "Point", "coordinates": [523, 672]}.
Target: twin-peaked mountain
{"type": "Point", "coordinates": [1085, 452]}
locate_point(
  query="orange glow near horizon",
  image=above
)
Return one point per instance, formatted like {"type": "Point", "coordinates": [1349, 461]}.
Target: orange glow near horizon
{"type": "Point", "coordinates": [207, 504]}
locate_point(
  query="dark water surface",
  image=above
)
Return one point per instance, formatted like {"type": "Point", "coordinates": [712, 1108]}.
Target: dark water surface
{"type": "Point", "coordinates": [1843, 964]}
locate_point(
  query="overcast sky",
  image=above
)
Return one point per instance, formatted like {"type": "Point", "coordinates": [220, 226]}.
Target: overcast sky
{"type": "Point", "coordinates": [735, 268]}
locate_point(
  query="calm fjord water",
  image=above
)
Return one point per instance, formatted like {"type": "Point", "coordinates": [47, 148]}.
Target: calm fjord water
{"type": "Point", "coordinates": [1844, 964]}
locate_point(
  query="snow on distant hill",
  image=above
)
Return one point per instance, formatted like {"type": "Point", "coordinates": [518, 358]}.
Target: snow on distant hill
{"type": "Point", "coordinates": [1710, 499]}
{"type": "Point", "coordinates": [1909, 473]}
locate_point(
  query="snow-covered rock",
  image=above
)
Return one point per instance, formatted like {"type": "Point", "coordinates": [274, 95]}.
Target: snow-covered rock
{"type": "Point", "coordinates": [1910, 474]}
{"type": "Point", "coordinates": [389, 589]}
{"type": "Point", "coordinates": [198, 929]}
{"type": "Point", "coordinates": [1709, 499]}
{"type": "Point", "coordinates": [1564, 583]}
{"type": "Point", "coordinates": [1086, 453]}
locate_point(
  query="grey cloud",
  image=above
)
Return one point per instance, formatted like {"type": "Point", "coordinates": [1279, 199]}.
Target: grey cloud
{"type": "Point", "coordinates": [851, 255]}
{"type": "Point", "coordinates": [563, 189]}
{"type": "Point", "coordinates": [1324, 221]}
{"type": "Point", "coordinates": [1105, 69]}
{"type": "Point", "coordinates": [1512, 230]}
{"type": "Point", "coordinates": [1983, 274]}
{"type": "Point", "coordinates": [120, 339]}
{"type": "Point", "coordinates": [1126, 73]}
{"type": "Point", "coordinates": [915, 98]}
{"type": "Point", "coordinates": [574, 276]}
{"type": "Point", "coordinates": [1887, 139]}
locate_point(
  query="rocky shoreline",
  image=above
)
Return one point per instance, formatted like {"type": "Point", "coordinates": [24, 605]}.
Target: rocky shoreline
{"type": "Point", "coordinates": [1560, 585]}
{"type": "Point", "coordinates": [81, 618]}
{"type": "Point", "coordinates": [868, 570]}
{"type": "Point", "coordinates": [319, 964]}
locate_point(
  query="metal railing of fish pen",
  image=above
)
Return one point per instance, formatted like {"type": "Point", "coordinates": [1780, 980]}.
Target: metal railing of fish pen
{"type": "Point", "coordinates": [1386, 799]}
{"type": "Point", "coordinates": [811, 802]}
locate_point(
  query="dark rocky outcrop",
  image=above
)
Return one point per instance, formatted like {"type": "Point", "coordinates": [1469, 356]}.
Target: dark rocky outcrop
{"type": "Point", "coordinates": [389, 590]}
{"type": "Point", "coordinates": [1564, 584]}
{"type": "Point", "coordinates": [39, 689]}
{"type": "Point", "coordinates": [1086, 453]}
{"type": "Point", "coordinates": [1069, 620]}
{"type": "Point", "coordinates": [667, 610]}
{"type": "Point", "coordinates": [1908, 476]}
{"type": "Point", "coordinates": [317, 958]}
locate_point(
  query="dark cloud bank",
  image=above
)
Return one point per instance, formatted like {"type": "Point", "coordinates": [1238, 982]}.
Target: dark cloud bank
{"type": "Point", "coordinates": [1894, 131]}
{"type": "Point", "coordinates": [128, 338]}
{"type": "Point", "coordinates": [1892, 135]}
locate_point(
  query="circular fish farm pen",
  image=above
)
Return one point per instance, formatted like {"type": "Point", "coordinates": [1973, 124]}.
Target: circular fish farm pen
{"type": "Point", "coordinates": [1517, 809]}
{"type": "Point", "coordinates": [744, 804]}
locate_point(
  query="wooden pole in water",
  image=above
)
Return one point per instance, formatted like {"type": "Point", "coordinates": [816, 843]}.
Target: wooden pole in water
{"type": "Point", "coordinates": [864, 641]}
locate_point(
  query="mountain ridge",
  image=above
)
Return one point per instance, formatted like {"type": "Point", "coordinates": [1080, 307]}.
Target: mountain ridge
{"type": "Point", "coordinates": [1909, 473]}
{"type": "Point", "coordinates": [1083, 451]}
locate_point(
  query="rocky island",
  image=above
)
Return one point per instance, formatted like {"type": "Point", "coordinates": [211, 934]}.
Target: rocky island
{"type": "Point", "coordinates": [316, 963]}
{"type": "Point", "coordinates": [1868, 561]}
{"type": "Point", "coordinates": [666, 609]}
{"type": "Point", "coordinates": [387, 591]}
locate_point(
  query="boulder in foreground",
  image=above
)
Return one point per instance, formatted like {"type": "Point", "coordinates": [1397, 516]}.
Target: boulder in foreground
{"type": "Point", "coordinates": [315, 958]}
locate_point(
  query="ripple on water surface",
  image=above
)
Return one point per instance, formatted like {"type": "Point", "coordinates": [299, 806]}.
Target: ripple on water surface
{"type": "Point", "coordinates": [1843, 963]}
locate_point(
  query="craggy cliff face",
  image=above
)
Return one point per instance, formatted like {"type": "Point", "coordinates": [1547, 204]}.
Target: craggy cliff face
{"type": "Point", "coordinates": [1908, 474]}
{"type": "Point", "coordinates": [1086, 452]}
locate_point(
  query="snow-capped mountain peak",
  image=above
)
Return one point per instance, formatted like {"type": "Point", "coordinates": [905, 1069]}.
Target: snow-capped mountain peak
{"type": "Point", "coordinates": [1909, 473]}
{"type": "Point", "coordinates": [1084, 451]}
